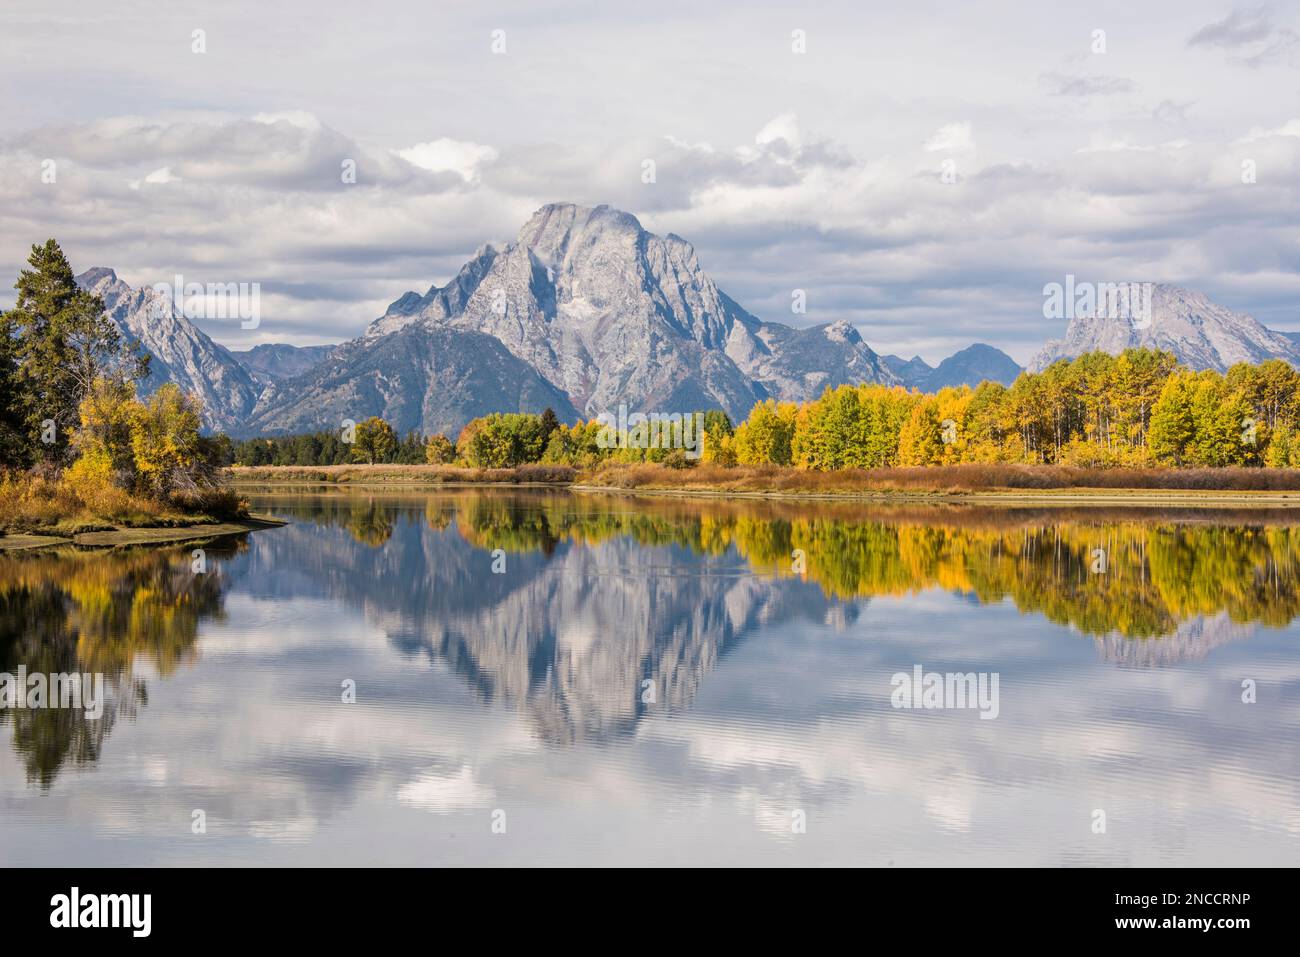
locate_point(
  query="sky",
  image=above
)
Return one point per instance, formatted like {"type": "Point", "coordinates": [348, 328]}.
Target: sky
{"type": "Point", "coordinates": [920, 170]}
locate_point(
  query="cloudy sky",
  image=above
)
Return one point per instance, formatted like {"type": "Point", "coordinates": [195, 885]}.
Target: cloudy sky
{"type": "Point", "coordinates": [1112, 156]}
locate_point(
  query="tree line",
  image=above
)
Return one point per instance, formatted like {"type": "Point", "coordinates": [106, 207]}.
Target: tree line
{"type": "Point", "coordinates": [1138, 409]}
{"type": "Point", "coordinates": [498, 440]}
{"type": "Point", "coordinates": [69, 407]}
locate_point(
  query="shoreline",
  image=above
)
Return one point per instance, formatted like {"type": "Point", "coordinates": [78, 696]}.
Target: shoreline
{"type": "Point", "coordinates": [1071, 496]}
{"type": "Point", "coordinates": [1209, 498]}
{"type": "Point", "coordinates": [1031, 485]}
{"type": "Point", "coordinates": [156, 535]}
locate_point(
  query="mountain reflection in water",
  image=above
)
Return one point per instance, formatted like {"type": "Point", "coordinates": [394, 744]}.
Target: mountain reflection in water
{"type": "Point", "coordinates": [611, 612]}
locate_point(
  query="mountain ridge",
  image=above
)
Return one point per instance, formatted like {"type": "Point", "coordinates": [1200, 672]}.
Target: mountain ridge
{"type": "Point", "coordinates": [608, 313]}
{"type": "Point", "coordinates": [585, 311]}
{"type": "Point", "coordinates": [1201, 333]}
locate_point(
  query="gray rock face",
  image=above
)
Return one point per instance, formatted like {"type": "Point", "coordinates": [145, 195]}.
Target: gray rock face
{"type": "Point", "coordinates": [799, 364]}
{"type": "Point", "coordinates": [603, 313]}
{"type": "Point", "coordinates": [182, 353]}
{"type": "Point", "coordinates": [1200, 333]}
{"type": "Point", "coordinates": [431, 380]}
{"type": "Point", "coordinates": [271, 361]}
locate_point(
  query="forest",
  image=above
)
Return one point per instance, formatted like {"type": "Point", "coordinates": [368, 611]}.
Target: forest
{"type": "Point", "coordinates": [1140, 409]}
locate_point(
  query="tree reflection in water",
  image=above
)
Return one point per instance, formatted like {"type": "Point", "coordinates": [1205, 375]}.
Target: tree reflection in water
{"type": "Point", "coordinates": [120, 613]}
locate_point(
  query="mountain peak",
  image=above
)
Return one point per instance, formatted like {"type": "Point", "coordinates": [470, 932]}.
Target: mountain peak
{"type": "Point", "coordinates": [1198, 331]}
{"type": "Point", "coordinates": [181, 352]}
{"type": "Point", "coordinates": [94, 275]}
{"type": "Point", "coordinates": [603, 312]}
{"type": "Point", "coordinates": [841, 330]}
{"type": "Point", "coordinates": [969, 366]}
{"type": "Point", "coordinates": [559, 230]}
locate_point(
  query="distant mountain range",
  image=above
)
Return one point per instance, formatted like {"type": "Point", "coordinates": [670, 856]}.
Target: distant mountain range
{"type": "Point", "coordinates": [586, 310]}
{"type": "Point", "coordinates": [1202, 334]}
{"type": "Point", "coordinates": [275, 361]}
{"type": "Point", "coordinates": [970, 366]}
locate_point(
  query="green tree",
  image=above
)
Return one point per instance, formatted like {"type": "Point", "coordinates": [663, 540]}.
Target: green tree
{"type": "Point", "coordinates": [374, 441]}
{"type": "Point", "coordinates": [550, 422]}
{"type": "Point", "coordinates": [502, 440]}
{"type": "Point", "coordinates": [15, 446]}
{"type": "Point", "coordinates": [63, 344]}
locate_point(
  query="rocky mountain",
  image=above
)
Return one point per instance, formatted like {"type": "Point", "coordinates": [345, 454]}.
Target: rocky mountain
{"type": "Point", "coordinates": [182, 353]}
{"type": "Point", "coordinates": [1202, 334]}
{"type": "Point", "coordinates": [585, 311]}
{"type": "Point", "coordinates": [274, 360]}
{"type": "Point", "coordinates": [970, 366]}
{"type": "Point", "coordinates": [909, 371]}
{"type": "Point", "coordinates": [600, 311]}
{"type": "Point", "coordinates": [427, 379]}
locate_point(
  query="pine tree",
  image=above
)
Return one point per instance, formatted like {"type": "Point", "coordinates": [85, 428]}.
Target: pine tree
{"type": "Point", "coordinates": [63, 344]}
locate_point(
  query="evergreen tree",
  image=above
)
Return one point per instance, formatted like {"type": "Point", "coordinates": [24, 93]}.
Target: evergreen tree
{"type": "Point", "coordinates": [549, 424]}
{"type": "Point", "coordinates": [63, 343]}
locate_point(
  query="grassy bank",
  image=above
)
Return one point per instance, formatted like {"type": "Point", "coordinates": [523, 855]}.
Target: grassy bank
{"type": "Point", "coordinates": [33, 505]}
{"type": "Point", "coordinates": [400, 475]}
{"type": "Point", "coordinates": [950, 480]}
{"type": "Point", "coordinates": [1047, 482]}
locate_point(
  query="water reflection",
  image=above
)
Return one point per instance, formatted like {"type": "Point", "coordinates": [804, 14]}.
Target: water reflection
{"type": "Point", "coordinates": [586, 626]}
{"type": "Point", "coordinates": [651, 677]}
{"type": "Point", "coordinates": [607, 606]}
{"type": "Point", "coordinates": [1116, 573]}
{"type": "Point", "coordinates": [122, 614]}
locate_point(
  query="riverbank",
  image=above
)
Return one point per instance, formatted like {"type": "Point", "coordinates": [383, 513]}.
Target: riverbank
{"type": "Point", "coordinates": [264, 475]}
{"type": "Point", "coordinates": [118, 536]}
{"type": "Point", "coordinates": [1008, 484]}
{"type": "Point", "coordinates": [972, 482]}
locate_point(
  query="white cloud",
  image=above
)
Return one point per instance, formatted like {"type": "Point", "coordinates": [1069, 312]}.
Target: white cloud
{"type": "Point", "coordinates": [784, 127]}
{"type": "Point", "coordinates": [157, 177]}
{"type": "Point", "coordinates": [298, 118]}
{"type": "Point", "coordinates": [446, 155]}
{"type": "Point", "coordinates": [1290, 128]}
{"type": "Point", "coordinates": [815, 172]}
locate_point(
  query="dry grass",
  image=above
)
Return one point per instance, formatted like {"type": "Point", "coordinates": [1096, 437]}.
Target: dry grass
{"type": "Point", "coordinates": [789, 481]}
{"type": "Point", "coordinates": [34, 503]}
{"type": "Point", "coordinates": [398, 474]}
{"type": "Point", "coordinates": [939, 479]}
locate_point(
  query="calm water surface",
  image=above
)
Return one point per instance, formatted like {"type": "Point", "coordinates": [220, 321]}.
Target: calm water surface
{"type": "Point", "coordinates": [649, 681]}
